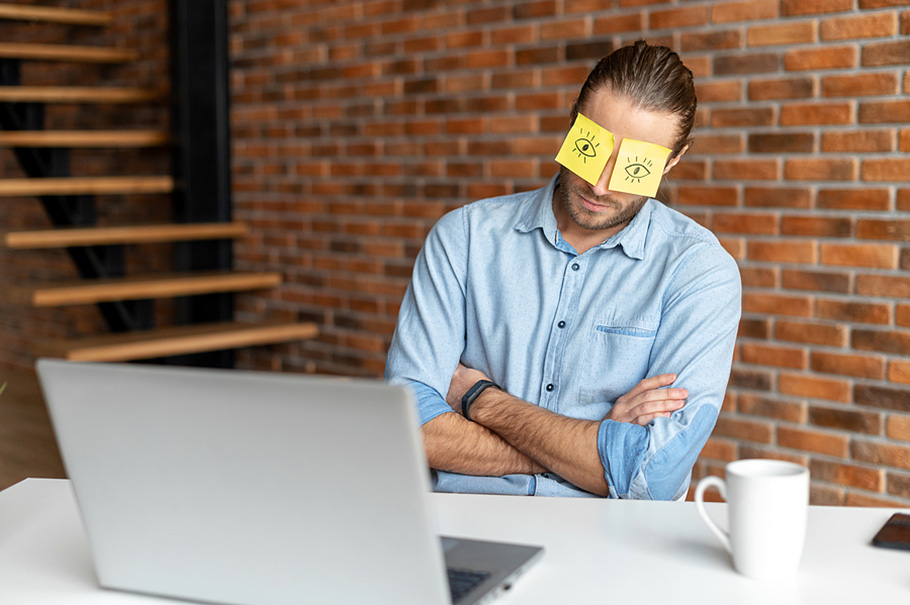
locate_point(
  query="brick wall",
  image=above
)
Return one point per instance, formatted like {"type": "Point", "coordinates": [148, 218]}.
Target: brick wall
{"type": "Point", "coordinates": [357, 124]}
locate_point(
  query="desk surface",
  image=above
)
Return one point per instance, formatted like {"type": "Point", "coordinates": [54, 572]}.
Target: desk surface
{"type": "Point", "coordinates": [614, 551]}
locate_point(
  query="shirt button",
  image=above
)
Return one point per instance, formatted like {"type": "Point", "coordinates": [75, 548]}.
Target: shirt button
{"type": "Point", "coordinates": [575, 267]}
{"type": "Point", "coordinates": [561, 324]}
{"type": "Point", "coordinates": [550, 387]}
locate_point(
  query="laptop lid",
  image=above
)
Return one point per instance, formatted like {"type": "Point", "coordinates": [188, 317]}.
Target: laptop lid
{"type": "Point", "coordinates": [245, 487]}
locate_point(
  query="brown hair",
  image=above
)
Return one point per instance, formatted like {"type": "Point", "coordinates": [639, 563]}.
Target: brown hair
{"type": "Point", "coordinates": [653, 78]}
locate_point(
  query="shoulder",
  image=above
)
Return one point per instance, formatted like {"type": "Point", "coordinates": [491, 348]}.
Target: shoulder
{"type": "Point", "coordinates": [500, 213]}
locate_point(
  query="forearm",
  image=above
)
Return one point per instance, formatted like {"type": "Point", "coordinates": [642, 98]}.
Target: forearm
{"type": "Point", "coordinates": [460, 446]}
{"type": "Point", "coordinates": [567, 446]}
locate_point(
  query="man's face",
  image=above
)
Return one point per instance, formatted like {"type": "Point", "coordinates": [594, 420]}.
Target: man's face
{"type": "Point", "coordinates": [596, 207]}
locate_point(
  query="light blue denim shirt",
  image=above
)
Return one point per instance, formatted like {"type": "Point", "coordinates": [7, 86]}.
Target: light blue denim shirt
{"type": "Point", "coordinates": [497, 288]}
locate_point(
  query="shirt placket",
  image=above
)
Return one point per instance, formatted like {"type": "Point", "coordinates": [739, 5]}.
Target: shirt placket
{"type": "Point", "coordinates": [566, 308]}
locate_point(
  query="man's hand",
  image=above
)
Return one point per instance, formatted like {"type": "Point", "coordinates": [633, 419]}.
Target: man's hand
{"type": "Point", "coordinates": [648, 400]}
{"type": "Point", "coordinates": [462, 380]}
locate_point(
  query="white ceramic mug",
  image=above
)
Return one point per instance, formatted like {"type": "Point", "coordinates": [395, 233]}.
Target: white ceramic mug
{"type": "Point", "coordinates": [768, 502]}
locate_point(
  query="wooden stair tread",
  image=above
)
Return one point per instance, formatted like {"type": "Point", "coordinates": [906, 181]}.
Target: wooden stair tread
{"type": "Point", "coordinates": [84, 138]}
{"type": "Point", "coordinates": [106, 185]}
{"type": "Point", "coordinates": [52, 14]}
{"type": "Point", "coordinates": [178, 341]}
{"type": "Point", "coordinates": [142, 287]}
{"type": "Point", "coordinates": [76, 94]}
{"type": "Point", "coordinates": [65, 237]}
{"type": "Point", "coordinates": [62, 52]}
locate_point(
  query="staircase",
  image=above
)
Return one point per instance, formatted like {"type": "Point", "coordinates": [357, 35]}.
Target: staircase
{"type": "Point", "coordinates": [126, 302]}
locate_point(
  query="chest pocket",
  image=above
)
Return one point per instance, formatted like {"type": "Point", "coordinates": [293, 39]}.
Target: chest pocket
{"type": "Point", "coordinates": [619, 351]}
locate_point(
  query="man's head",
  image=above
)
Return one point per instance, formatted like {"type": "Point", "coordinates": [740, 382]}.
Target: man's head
{"type": "Point", "coordinates": [640, 92]}
{"type": "Point", "coordinates": [652, 78]}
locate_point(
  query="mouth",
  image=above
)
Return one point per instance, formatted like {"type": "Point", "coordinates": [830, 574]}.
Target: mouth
{"type": "Point", "coordinates": [591, 205]}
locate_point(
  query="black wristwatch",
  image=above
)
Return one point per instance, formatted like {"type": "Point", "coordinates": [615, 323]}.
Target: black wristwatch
{"type": "Point", "coordinates": [473, 393]}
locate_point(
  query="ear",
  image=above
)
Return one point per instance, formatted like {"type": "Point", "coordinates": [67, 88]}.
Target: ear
{"type": "Point", "coordinates": [673, 162]}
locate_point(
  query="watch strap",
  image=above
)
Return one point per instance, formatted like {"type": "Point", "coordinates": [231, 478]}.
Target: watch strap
{"type": "Point", "coordinates": [476, 389]}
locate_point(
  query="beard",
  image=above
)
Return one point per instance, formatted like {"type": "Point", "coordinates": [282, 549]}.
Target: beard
{"type": "Point", "coordinates": [571, 187]}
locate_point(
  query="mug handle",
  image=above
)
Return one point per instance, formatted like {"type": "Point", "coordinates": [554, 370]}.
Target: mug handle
{"type": "Point", "coordinates": [703, 485]}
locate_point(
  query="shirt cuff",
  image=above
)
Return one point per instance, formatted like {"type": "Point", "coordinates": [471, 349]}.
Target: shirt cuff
{"type": "Point", "coordinates": [430, 403]}
{"type": "Point", "coordinates": [622, 447]}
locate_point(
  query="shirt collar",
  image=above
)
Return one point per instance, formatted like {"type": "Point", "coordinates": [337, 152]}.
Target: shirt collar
{"type": "Point", "coordinates": [539, 215]}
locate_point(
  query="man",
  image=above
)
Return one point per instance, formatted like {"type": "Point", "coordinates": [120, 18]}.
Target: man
{"type": "Point", "coordinates": [589, 331]}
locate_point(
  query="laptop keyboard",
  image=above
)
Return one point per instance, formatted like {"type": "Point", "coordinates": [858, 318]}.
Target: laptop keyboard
{"type": "Point", "coordinates": [463, 581]}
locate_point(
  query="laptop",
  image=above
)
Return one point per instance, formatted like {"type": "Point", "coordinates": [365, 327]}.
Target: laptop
{"type": "Point", "coordinates": [237, 487]}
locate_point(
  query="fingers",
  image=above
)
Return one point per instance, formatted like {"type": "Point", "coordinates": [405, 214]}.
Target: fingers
{"type": "Point", "coordinates": [650, 383]}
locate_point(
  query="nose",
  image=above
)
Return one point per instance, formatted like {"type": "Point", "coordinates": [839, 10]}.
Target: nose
{"type": "Point", "coordinates": [602, 186]}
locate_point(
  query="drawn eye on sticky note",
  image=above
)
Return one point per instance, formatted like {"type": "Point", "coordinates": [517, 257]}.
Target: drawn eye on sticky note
{"type": "Point", "coordinates": [586, 150]}
{"type": "Point", "coordinates": [639, 167]}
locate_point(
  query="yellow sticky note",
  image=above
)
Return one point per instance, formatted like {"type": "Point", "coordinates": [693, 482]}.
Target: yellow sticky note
{"type": "Point", "coordinates": [639, 167]}
{"type": "Point", "coordinates": [586, 150]}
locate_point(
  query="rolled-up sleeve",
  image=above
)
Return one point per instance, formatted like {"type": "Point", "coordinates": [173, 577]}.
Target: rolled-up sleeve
{"type": "Point", "coordinates": [695, 341]}
{"type": "Point", "coordinates": [430, 334]}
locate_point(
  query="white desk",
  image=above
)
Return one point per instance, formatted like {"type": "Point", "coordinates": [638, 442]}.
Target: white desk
{"type": "Point", "coordinates": [597, 550]}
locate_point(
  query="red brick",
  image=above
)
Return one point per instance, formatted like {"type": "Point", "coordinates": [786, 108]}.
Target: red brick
{"type": "Point", "coordinates": [799, 32]}
{"type": "Point", "coordinates": [853, 199]}
{"type": "Point", "coordinates": [899, 485]}
{"type": "Point", "coordinates": [880, 453]}
{"type": "Point", "coordinates": [846, 420]}
{"type": "Point", "coordinates": [883, 285]}
{"type": "Point", "coordinates": [813, 333]}
{"type": "Point", "coordinates": [892, 169]}
{"type": "Point", "coordinates": [882, 112]}
{"type": "Point", "coordinates": [896, 342]}
{"type": "Point", "coordinates": [816, 113]}
{"type": "Point", "coordinates": [633, 22]}
{"type": "Point", "coordinates": [713, 40]}
{"type": "Point", "coordinates": [719, 91]}
{"type": "Point", "coordinates": [853, 311]}
{"type": "Point", "coordinates": [860, 85]}
{"type": "Point", "coordinates": [873, 25]}
{"type": "Point", "coordinates": [899, 371]}
{"type": "Point", "coordinates": [678, 17]}
{"type": "Point", "coordinates": [863, 500]}
{"type": "Point", "coordinates": [848, 474]}
{"type": "Point", "coordinates": [811, 169]}
{"type": "Point", "coordinates": [902, 315]}
{"type": "Point", "coordinates": [720, 449]}
{"type": "Point", "coordinates": [816, 226]}
{"type": "Point", "coordinates": [735, 247]}
{"type": "Point", "coordinates": [849, 365]}
{"type": "Point", "coordinates": [759, 224]}
{"type": "Point", "coordinates": [745, 430]}
{"type": "Point", "coordinates": [903, 200]}
{"type": "Point", "coordinates": [777, 304]}
{"type": "Point", "coordinates": [769, 407]}
{"type": "Point", "coordinates": [795, 142]}
{"type": "Point", "coordinates": [814, 58]}
{"type": "Point", "coordinates": [789, 88]}
{"type": "Point", "coordinates": [783, 357]}
{"type": "Point", "coordinates": [517, 34]}
{"type": "Point", "coordinates": [898, 427]}
{"type": "Point", "coordinates": [745, 10]}
{"type": "Point", "coordinates": [746, 170]}
{"type": "Point", "coordinates": [561, 30]}
{"type": "Point", "coordinates": [804, 385]}
{"type": "Point", "coordinates": [887, 398]}
{"type": "Point", "coordinates": [825, 495]}
{"type": "Point", "coordinates": [820, 281]}
{"type": "Point", "coordinates": [708, 196]}
{"type": "Point", "coordinates": [754, 328]}
{"type": "Point", "coordinates": [858, 141]}
{"type": "Point", "coordinates": [717, 144]}
{"type": "Point", "coordinates": [793, 8]}
{"type": "Point", "coordinates": [533, 10]}
{"type": "Point", "coordinates": [812, 441]}
{"type": "Point", "coordinates": [753, 116]}
{"type": "Point", "coordinates": [879, 256]}
{"type": "Point", "coordinates": [778, 197]}
{"type": "Point", "coordinates": [788, 251]}
{"type": "Point", "coordinates": [886, 53]}
{"type": "Point", "coordinates": [725, 65]}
